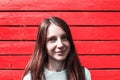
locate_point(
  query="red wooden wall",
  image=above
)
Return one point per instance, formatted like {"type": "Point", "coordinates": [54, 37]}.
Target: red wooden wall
{"type": "Point", "coordinates": [95, 26]}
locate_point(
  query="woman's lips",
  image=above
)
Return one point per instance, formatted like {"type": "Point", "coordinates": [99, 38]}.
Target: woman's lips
{"type": "Point", "coordinates": [60, 52]}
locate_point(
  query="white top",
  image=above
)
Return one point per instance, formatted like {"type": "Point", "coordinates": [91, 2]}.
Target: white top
{"type": "Point", "coordinates": [51, 75]}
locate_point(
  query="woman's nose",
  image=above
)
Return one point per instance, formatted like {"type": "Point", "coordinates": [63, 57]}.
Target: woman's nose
{"type": "Point", "coordinates": [60, 44]}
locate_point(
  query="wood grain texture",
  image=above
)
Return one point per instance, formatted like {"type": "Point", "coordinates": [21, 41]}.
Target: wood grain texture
{"type": "Point", "coordinates": [98, 47]}
{"type": "Point", "coordinates": [19, 62]}
{"type": "Point", "coordinates": [60, 5]}
{"type": "Point", "coordinates": [105, 74]}
{"type": "Point", "coordinates": [95, 27]}
{"type": "Point", "coordinates": [11, 74]}
{"type": "Point", "coordinates": [13, 62]}
{"type": "Point", "coordinates": [72, 18]}
{"type": "Point", "coordinates": [100, 61]}
{"type": "Point", "coordinates": [16, 47]}
{"type": "Point", "coordinates": [78, 33]}
{"type": "Point", "coordinates": [82, 47]}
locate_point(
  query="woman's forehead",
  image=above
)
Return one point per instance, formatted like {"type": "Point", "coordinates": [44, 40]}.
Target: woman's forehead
{"type": "Point", "coordinates": [55, 30]}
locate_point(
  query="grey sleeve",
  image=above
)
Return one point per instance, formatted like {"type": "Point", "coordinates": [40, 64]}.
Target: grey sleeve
{"type": "Point", "coordinates": [27, 76]}
{"type": "Point", "coordinates": [87, 74]}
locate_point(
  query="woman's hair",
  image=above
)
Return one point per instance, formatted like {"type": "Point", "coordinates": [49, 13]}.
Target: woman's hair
{"type": "Point", "coordinates": [39, 58]}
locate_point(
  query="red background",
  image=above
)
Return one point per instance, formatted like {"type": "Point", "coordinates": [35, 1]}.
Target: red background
{"type": "Point", "coordinates": [95, 26]}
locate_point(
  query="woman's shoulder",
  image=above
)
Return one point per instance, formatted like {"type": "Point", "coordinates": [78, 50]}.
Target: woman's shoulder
{"type": "Point", "coordinates": [87, 74]}
{"type": "Point", "coordinates": [27, 76]}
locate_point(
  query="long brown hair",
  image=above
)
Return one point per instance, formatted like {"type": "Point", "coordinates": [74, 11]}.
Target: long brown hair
{"type": "Point", "coordinates": [40, 58]}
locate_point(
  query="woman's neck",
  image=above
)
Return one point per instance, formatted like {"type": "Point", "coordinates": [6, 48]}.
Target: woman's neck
{"type": "Point", "coordinates": [55, 65]}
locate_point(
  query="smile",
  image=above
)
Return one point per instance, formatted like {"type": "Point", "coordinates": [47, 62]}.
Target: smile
{"type": "Point", "coordinates": [60, 51]}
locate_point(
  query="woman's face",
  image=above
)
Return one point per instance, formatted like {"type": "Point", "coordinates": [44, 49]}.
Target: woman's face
{"type": "Point", "coordinates": [57, 43]}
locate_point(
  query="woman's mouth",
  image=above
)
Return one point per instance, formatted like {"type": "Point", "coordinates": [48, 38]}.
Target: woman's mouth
{"type": "Point", "coordinates": [60, 52]}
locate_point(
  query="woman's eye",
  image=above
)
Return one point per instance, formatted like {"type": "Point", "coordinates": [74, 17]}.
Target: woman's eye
{"type": "Point", "coordinates": [52, 39]}
{"type": "Point", "coordinates": [64, 37]}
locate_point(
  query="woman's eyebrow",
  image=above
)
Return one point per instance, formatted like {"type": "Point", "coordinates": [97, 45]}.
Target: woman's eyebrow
{"type": "Point", "coordinates": [48, 37]}
{"type": "Point", "coordinates": [64, 34]}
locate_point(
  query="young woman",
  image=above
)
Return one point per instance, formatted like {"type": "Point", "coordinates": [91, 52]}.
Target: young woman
{"type": "Point", "coordinates": [55, 57]}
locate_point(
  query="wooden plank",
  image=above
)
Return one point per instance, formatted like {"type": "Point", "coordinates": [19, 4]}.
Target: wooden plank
{"type": "Point", "coordinates": [98, 47]}
{"type": "Point", "coordinates": [60, 5]}
{"type": "Point", "coordinates": [100, 61]}
{"type": "Point", "coordinates": [96, 74]}
{"type": "Point", "coordinates": [96, 33]}
{"type": "Point", "coordinates": [11, 74]}
{"type": "Point", "coordinates": [78, 33]}
{"type": "Point", "coordinates": [18, 33]}
{"type": "Point", "coordinates": [19, 62]}
{"type": "Point", "coordinates": [16, 47]}
{"type": "Point", "coordinates": [82, 47]}
{"type": "Point", "coordinates": [13, 62]}
{"type": "Point", "coordinates": [105, 74]}
{"type": "Point", "coordinates": [82, 18]}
